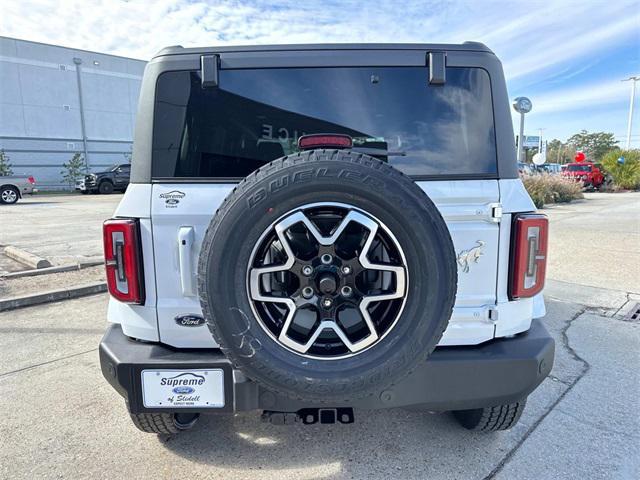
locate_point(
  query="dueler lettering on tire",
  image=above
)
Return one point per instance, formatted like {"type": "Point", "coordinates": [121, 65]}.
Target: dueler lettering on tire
{"type": "Point", "coordinates": [327, 276]}
{"type": "Point", "coordinates": [308, 175]}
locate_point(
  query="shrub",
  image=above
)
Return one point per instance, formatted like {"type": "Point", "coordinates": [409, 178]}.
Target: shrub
{"type": "Point", "coordinates": [5, 164]}
{"type": "Point", "coordinates": [625, 175]}
{"type": "Point", "coordinates": [563, 190]}
{"type": "Point", "coordinates": [551, 189]}
{"type": "Point", "coordinates": [536, 188]}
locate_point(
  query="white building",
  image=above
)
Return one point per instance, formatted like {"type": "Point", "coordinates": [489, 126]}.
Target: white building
{"type": "Point", "coordinates": [56, 101]}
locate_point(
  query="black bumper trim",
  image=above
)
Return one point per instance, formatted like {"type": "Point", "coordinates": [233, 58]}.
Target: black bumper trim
{"type": "Point", "coordinates": [453, 378]}
{"type": "Point", "coordinates": [123, 359]}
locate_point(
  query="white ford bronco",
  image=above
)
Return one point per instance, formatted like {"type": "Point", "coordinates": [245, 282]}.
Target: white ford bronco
{"type": "Point", "coordinates": [313, 229]}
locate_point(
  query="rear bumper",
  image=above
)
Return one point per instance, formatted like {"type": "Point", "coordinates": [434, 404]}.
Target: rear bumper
{"type": "Point", "coordinates": [453, 378]}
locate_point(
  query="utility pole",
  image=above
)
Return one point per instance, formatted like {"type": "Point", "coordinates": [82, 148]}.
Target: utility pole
{"type": "Point", "coordinates": [540, 130]}
{"type": "Point", "coordinates": [78, 62]}
{"type": "Point", "coordinates": [633, 80]}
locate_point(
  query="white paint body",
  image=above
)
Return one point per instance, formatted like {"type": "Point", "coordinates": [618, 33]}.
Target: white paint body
{"type": "Point", "coordinates": [172, 235]}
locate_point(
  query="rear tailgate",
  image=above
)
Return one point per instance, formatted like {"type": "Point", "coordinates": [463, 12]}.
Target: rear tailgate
{"type": "Point", "coordinates": [181, 214]}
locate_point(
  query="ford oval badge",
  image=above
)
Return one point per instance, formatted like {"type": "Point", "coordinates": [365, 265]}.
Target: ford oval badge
{"type": "Point", "coordinates": [183, 390]}
{"type": "Point", "coordinates": [190, 320]}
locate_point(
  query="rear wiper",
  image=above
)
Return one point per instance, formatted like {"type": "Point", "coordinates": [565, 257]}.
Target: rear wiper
{"type": "Point", "coordinates": [379, 151]}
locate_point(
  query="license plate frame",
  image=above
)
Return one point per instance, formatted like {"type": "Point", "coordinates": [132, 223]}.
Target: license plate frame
{"type": "Point", "coordinates": [199, 388]}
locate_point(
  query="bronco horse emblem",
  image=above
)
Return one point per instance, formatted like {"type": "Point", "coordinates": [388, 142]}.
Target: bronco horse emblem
{"type": "Point", "coordinates": [465, 257]}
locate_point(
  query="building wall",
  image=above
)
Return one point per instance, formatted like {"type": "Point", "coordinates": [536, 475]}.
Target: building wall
{"type": "Point", "coordinates": [40, 117]}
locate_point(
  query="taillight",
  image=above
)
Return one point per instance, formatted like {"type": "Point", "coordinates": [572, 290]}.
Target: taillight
{"type": "Point", "coordinates": [329, 140]}
{"type": "Point", "coordinates": [31, 180]}
{"type": "Point", "coordinates": [123, 259]}
{"type": "Point", "coordinates": [528, 255]}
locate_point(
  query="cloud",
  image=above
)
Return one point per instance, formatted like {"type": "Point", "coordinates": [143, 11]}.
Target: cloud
{"type": "Point", "coordinates": [528, 36]}
{"type": "Point", "coordinates": [539, 42]}
{"type": "Point", "coordinates": [583, 97]}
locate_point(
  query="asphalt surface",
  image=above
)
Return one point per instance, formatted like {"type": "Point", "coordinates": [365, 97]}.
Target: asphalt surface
{"type": "Point", "coordinates": [60, 419]}
{"type": "Point", "coordinates": [596, 241]}
{"type": "Point", "coordinates": [63, 229]}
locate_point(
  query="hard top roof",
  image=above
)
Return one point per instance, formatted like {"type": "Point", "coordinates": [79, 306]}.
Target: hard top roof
{"type": "Point", "coordinates": [466, 46]}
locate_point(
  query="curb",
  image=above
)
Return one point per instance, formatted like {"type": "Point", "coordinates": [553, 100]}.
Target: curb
{"type": "Point", "coordinates": [55, 269]}
{"type": "Point", "coordinates": [13, 303]}
{"type": "Point", "coordinates": [25, 257]}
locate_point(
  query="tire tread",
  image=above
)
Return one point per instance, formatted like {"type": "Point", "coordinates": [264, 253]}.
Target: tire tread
{"type": "Point", "coordinates": [160, 423]}
{"type": "Point", "coordinates": [491, 419]}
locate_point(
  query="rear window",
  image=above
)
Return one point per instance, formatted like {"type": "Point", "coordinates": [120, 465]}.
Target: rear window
{"type": "Point", "coordinates": [257, 115]}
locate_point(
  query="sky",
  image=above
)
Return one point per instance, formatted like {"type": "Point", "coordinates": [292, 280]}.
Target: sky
{"type": "Point", "coordinates": [568, 57]}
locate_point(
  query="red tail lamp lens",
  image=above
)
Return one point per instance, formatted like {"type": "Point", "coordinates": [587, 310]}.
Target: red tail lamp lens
{"type": "Point", "coordinates": [123, 259]}
{"type": "Point", "coordinates": [528, 255]}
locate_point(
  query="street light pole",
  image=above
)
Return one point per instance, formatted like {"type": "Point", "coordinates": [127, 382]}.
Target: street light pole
{"type": "Point", "coordinates": [633, 81]}
{"type": "Point", "coordinates": [521, 138]}
{"type": "Point", "coordinates": [78, 62]}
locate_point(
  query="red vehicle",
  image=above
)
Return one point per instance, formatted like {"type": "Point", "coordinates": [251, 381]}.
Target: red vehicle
{"type": "Point", "coordinates": [589, 173]}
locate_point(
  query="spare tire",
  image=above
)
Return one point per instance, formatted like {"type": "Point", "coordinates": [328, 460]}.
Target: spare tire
{"type": "Point", "coordinates": [327, 276]}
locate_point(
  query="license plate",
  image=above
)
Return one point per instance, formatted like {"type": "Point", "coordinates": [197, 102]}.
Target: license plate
{"type": "Point", "coordinates": [183, 388]}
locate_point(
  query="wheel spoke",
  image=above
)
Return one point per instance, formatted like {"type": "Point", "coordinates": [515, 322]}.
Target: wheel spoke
{"type": "Point", "coordinates": [327, 325]}
{"type": "Point", "coordinates": [263, 290]}
{"type": "Point", "coordinates": [255, 273]}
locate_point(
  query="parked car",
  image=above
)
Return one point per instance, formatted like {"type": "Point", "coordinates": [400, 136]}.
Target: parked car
{"type": "Point", "coordinates": [525, 168]}
{"type": "Point", "coordinates": [320, 252]}
{"type": "Point", "coordinates": [549, 168]}
{"type": "Point", "coordinates": [14, 187]}
{"type": "Point", "coordinates": [115, 178]}
{"type": "Point", "coordinates": [591, 175]}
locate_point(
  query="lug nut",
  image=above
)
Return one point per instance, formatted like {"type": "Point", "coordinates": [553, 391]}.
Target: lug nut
{"type": "Point", "coordinates": [346, 269]}
{"type": "Point", "coordinates": [307, 292]}
{"type": "Point", "coordinates": [346, 291]}
{"type": "Point", "coordinates": [327, 302]}
{"type": "Point", "coordinates": [326, 259]}
{"type": "Point", "coordinates": [307, 270]}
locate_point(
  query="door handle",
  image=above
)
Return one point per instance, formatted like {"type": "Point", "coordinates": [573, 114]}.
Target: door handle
{"type": "Point", "coordinates": [186, 237]}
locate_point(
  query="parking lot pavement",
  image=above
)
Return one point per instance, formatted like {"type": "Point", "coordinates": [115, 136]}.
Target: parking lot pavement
{"type": "Point", "coordinates": [596, 241]}
{"type": "Point", "coordinates": [60, 228]}
{"type": "Point", "coordinates": [62, 420]}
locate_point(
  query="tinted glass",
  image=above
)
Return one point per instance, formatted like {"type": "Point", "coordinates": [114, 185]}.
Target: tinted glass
{"type": "Point", "coordinates": [256, 116]}
{"type": "Point", "coordinates": [579, 168]}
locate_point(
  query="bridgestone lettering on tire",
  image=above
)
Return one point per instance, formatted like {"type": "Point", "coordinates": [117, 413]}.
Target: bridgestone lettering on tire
{"type": "Point", "coordinates": [327, 276]}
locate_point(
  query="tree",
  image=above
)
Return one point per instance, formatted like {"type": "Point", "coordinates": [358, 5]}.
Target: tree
{"type": "Point", "coordinates": [5, 164]}
{"type": "Point", "coordinates": [558, 152]}
{"type": "Point", "coordinates": [74, 170]}
{"type": "Point", "coordinates": [624, 167]}
{"type": "Point", "coordinates": [595, 145]}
